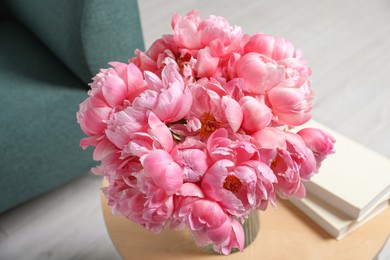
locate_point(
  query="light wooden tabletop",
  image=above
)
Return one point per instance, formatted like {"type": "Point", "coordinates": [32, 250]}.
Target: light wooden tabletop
{"type": "Point", "coordinates": [347, 45]}
{"type": "Point", "coordinates": [285, 233]}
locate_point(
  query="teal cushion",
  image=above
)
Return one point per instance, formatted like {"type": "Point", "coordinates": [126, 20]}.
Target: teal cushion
{"type": "Point", "coordinates": [3, 12]}
{"type": "Point", "coordinates": [83, 34]}
{"type": "Point", "coordinates": [39, 135]}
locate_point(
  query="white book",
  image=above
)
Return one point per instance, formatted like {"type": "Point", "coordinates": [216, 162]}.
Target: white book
{"type": "Point", "coordinates": [353, 179]}
{"type": "Point", "coordinates": [334, 222]}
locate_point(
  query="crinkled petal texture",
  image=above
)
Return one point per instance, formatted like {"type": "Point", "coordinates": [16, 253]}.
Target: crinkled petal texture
{"type": "Point", "coordinates": [146, 196]}
{"type": "Point", "coordinates": [92, 118]}
{"type": "Point", "coordinates": [124, 123]}
{"type": "Point", "coordinates": [110, 90]}
{"type": "Point", "coordinates": [213, 187]}
{"type": "Point", "coordinates": [167, 179]}
{"type": "Point", "coordinates": [167, 97]}
{"type": "Point", "coordinates": [210, 111]}
{"type": "Point", "coordinates": [237, 180]}
{"type": "Point", "coordinates": [185, 30]}
{"type": "Point", "coordinates": [127, 200]}
{"type": "Point", "coordinates": [193, 162]}
{"type": "Point", "coordinates": [193, 33]}
{"type": "Point", "coordinates": [288, 157]}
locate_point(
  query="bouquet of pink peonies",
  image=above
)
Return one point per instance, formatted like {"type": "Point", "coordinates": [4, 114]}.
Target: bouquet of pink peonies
{"type": "Point", "coordinates": [197, 131]}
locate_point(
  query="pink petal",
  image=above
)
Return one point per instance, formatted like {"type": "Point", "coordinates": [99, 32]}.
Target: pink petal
{"type": "Point", "coordinates": [114, 90]}
{"type": "Point", "coordinates": [220, 233]}
{"type": "Point", "coordinates": [233, 112]}
{"type": "Point", "coordinates": [209, 212]}
{"type": "Point", "coordinates": [91, 120]}
{"type": "Point", "coordinates": [256, 115]}
{"type": "Point", "coordinates": [166, 174]}
{"type": "Point", "coordinates": [238, 236]}
{"type": "Point", "coordinates": [301, 192]}
{"type": "Point", "coordinates": [135, 79]}
{"type": "Point", "coordinates": [271, 46]}
{"type": "Point", "coordinates": [160, 132]}
{"type": "Point", "coordinates": [103, 149]}
{"type": "Point", "coordinates": [173, 178]}
{"type": "Point", "coordinates": [153, 81]}
{"type": "Point", "coordinates": [290, 105]}
{"type": "Point", "coordinates": [190, 189]}
{"type": "Point", "coordinates": [184, 105]}
{"type": "Point", "coordinates": [206, 64]}
{"type": "Point", "coordinates": [308, 166]}
{"type": "Point", "coordinates": [259, 72]}
{"type": "Point", "coordinates": [270, 138]}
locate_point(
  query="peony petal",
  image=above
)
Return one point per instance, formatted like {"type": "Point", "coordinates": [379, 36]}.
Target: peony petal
{"type": "Point", "coordinates": [114, 90]}
{"type": "Point", "coordinates": [160, 132]}
{"type": "Point", "coordinates": [256, 115]}
{"type": "Point", "coordinates": [135, 80]}
{"type": "Point", "coordinates": [190, 189]}
{"type": "Point", "coordinates": [290, 105]}
{"type": "Point", "coordinates": [153, 81]}
{"type": "Point", "coordinates": [237, 237]}
{"type": "Point", "coordinates": [206, 65]}
{"type": "Point", "coordinates": [173, 178]}
{"type": "Point", "coordinates": [220, 233]}
{"type": "Point", "coordinates": [270, 138]}
{"type": "Point", "coordinates": [233, 112]}
{"type": "Point", "coordinates": [259, 72]}
{"type": "Point", "coordinates": [103, 149]}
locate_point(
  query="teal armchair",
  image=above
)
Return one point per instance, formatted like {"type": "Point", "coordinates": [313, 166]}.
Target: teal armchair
{"type": "Point", "coordinates": [49, 51]}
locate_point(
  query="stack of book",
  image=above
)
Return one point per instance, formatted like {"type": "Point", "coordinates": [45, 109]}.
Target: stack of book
{"type": "Point", "coordinates": [353, 186]}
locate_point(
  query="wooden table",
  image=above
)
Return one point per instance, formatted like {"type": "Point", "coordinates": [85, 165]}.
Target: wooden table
{"type": "Point", "coordinates": [285, 233]}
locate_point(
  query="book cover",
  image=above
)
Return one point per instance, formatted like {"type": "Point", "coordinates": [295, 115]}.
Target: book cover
{"type": "Point", "coordinates": [334, 222]}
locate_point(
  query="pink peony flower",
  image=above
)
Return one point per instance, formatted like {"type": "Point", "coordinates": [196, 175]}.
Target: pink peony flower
{"type": "Point", "coordinates": [124, 123]}
{"type": "Point", "coordinates": [126, 199]}
{"type": "Point", "coordinates": [237, 180]}
{"type": "Point", "coordinates": [191, 32]}
{"type": "Point", "coordinates": [210, 111]}
{"type": "Point", "coordinates": [259, 72]}
{"type": "Point", "coordinates": [112, 88]}
{"type": "Point", "coordinates": [211, 225]}
{"type": "Point", "coordinates": [159, 182]}
{"type": "Point", "coordinates": [291, 106]}
{"type": "Point", "coordinates": [274, 47]}
{"type": "Point", "coordinates": [288, 157]}
{"type": "Point", "coordinates": [167, 97]}
{"type": "Point", "coordinates": [319, 142]}
{"type": "Point", "coordinates": [193, 162]}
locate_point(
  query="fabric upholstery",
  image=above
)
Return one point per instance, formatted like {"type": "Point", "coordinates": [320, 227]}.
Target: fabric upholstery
{"type": "Point", "coordinates": [39, 133]}
{"type": "Point", "coordinates": [49, 50]}
{"type": "Point", "coordinates": [83, 34]}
